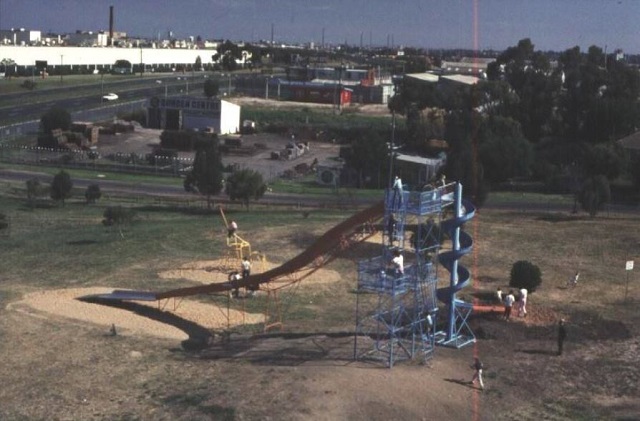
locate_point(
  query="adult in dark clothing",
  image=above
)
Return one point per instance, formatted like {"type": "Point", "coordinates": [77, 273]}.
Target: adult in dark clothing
{"type": "Point", "coordinates": [562, 335]}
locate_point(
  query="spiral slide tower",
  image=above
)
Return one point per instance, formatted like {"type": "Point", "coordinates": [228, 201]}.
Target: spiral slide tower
{"type": "Point", "coordinates": [458, 333]}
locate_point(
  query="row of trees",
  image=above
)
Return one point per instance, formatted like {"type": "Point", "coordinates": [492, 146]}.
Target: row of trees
{"type": "Point", "coordinates": [206, 177]}
{"type": "Point", "coordinates": [553, 123]}
{"type": "Point", "coordinates": [59, 190]}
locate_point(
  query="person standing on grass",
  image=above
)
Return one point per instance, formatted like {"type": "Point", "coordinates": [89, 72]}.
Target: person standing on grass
{"type": "Point", "coordinates": [562, 335]}
{"type": "Point", "coordinates": [508, 305]}
{"type": "Point", "coordinates": [499, 295]}
{"type": "Point", "coordinates": [477, 373]}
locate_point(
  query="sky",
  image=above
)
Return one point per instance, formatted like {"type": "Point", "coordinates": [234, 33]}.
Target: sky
{"type": "Point", "coordinates": [483, 24]}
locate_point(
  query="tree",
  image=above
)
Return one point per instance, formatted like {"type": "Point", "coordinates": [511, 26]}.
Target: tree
{"type": "Point", "coordinates": [93, 193]}
{"type": "Point", "coordinates": [211, 88]}
{"type": "Point", "coordinates": [198, 64]}
{"type": "Point", "coordinates": [369, 157]}
{"type": "Point", "coordinates": [55, 118]}
{"type": "Point", "coordinates": [605, 159]}
{"type": "Point", "coordinates": [230, 52]}
{"type": "Point", "coordinates": [122, 67]}
{"type": "Point", "coordinates": [525, 274]}
{"type": "Point", "coordinates": [529, 74]}
{"type": "Point", "coordinates": [34, 189]}
{"type": "Point", "coordinates": [245, 185]}
{"type": "Point", "coordinates": [61, 187]}
{"type": "Point", "coordinates": [595, 192]}
{"type": "Point", "coordinates": [8, 66]}
{"type": "Point", "coordinates": [504, 151]}
{"type": "Point", "coordinates": [206, 175]}
{"type": "Point", "coordinates": [117, 216]}
{"type": "Point", "coordinates": [463, 164]}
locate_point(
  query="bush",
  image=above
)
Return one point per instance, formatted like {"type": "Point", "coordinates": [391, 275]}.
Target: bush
{"type": "Point", "coordinates": [29, 85]}
{"type": "Point", "coordinates": [525, 274]}
{"type": "Point", "coordinates": [93, 193]}
{"type": "Point", "coordinates": [593, 195]}
{"type": "Point", "coordinates": [117, 215]}
{"type": "Point", "coordinates": [4, 221]}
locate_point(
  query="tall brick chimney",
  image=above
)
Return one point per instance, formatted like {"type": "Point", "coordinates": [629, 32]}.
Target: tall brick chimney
{"type": "Point", "coordinates": [111, 26]}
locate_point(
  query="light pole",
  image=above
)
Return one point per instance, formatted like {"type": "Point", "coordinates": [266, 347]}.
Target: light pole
{"type": "Point", "coordinates": [61, 57]}
{"type": "Point", "coordinates": [392, 147]}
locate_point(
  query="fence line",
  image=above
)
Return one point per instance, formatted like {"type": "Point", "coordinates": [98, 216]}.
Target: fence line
{"type": "Point", "coordinates": [92, 160]}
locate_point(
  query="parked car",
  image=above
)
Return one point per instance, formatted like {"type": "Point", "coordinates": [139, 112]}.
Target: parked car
{"type": "Point", "coordinates": [110, 97]}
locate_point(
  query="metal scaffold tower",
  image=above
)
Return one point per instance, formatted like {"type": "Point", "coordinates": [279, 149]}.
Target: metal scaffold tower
{"type": "Point", "coordinates": [396, 312]}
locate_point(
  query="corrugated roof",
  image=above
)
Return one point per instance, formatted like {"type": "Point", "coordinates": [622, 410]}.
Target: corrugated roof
{"type": "Point", "coordinates": [467, 80]}
{"type": "Point", "coordinates": [425, 77]}
{"type": "Point", "coordinates": [418, 159]}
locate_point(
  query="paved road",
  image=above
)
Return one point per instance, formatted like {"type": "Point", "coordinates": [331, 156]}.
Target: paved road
{"type": "Point", "coordinates": [337, 201]}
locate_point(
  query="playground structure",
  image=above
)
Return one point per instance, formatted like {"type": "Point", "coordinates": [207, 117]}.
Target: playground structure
{"type": "Point", "coordinates": [399, 313]}
{"type": "Point", "coordinates": [239, 247]}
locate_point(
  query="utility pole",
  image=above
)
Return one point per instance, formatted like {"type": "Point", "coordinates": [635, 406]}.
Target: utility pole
{"type": "Point", "coordinates": [392, 146]}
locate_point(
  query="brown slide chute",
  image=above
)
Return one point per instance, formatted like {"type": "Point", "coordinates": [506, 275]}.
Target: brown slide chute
{"type": "Point", "coordinates": [328, 243]}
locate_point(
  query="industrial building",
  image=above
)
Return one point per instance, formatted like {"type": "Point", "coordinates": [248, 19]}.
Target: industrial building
{"type": "Point", "coordinates": [188, 113]}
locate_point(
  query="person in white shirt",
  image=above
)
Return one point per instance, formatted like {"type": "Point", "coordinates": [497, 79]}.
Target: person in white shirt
{"type": "Point", "coordinates": [397, 192]}
{"type": "Point", "coordinates": [508, 304]}
{"type": "Point", "coordinates": [398, 263]}
{"type": "Point", "coordinates": [246, 271]}
{"type": "Point", "coordinates": [522, 309]}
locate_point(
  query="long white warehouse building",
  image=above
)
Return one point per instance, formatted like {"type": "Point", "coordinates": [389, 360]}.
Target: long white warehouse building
{"type": "Point", "coordinates": [101, 56]}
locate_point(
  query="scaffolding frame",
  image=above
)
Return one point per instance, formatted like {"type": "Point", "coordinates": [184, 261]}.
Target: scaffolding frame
{"type": "Point", "coordinates": [397, 313]}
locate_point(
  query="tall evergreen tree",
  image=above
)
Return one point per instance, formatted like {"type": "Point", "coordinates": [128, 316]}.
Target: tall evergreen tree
{"type": "Point", "coordinates": [206, 175]}
{"type": "Point", "coordinates": [61, 187]}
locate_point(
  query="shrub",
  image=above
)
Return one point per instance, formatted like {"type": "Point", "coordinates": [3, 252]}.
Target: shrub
{"type": "Point", "coordinates": [93, 193]}
{"type": "Point", "coordinates": [593, 195]}
{"type": "Point", "coordinates": [525, 274]}
{"type": "Point", "coordinates": [4, 221]}
{"type": "Point", "coordinates": [117, 215]}
{"type": "Point", "coordinates": [29, 85]}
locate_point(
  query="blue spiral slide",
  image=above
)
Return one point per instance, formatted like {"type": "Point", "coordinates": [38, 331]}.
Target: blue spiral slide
{"type": "Point", "coordinates": [460, 275]}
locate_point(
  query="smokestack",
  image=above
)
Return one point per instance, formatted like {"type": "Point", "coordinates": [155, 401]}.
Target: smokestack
{"type": "Point", "coordinates": [111, 26]}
